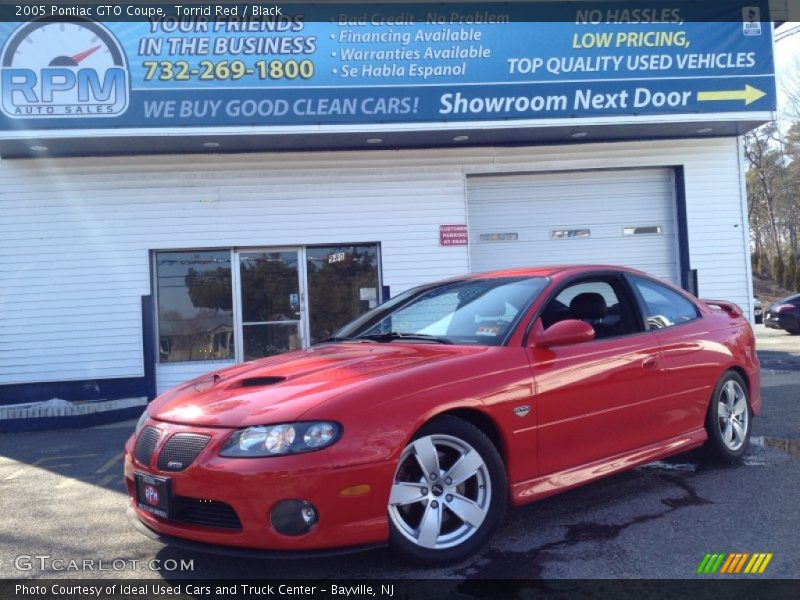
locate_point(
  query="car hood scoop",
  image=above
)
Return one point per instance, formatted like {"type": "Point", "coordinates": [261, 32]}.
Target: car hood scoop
{"type": "Point", "coordinates": [253, 382]}
{"type": "Point", "coordinates": [282, 388]}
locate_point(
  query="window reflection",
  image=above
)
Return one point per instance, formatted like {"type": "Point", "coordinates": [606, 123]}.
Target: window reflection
{"type": "Point", "coordinates": [664, 306]}
{"type": "Point", "coordinates": [270, 287]}
{"type": "Point", "coordinates": [342, 285]}
{"type": "Point", "coordinates": [195, 306]}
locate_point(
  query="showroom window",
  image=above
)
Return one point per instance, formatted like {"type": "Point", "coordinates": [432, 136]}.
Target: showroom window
{"type": "Point", "coordinates": [276, 299]}
{"type": "Point", "coordinates": [343, 283]}
{"type": "Point", "coordinates": [195, 305]}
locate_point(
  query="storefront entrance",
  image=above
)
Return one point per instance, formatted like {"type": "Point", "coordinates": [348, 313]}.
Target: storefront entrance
{"type": "Point", "coordinates": [242, 304]}
{"type": "Point", "coordinates": [271, 312]}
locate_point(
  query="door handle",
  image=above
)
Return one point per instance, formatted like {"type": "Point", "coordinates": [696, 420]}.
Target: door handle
{"type": "Point", "coordinates": [651, 362]}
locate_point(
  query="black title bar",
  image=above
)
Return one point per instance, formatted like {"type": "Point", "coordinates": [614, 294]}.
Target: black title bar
{"type": "Point", "coordinates": [396, 589]}
{"type": "Point", "coordinates": [609, 11]}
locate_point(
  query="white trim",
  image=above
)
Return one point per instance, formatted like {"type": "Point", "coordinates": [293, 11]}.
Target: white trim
{"type": "Point", "coordinates": [236, 291]}
{"type": "Point", "coordinates": [749, 309]}
{"type": "Point", "coordinates": [382, 127]}
{"type": "Point", "coordinates": [676, 222]}
{"type": "Point", "coordinates": [305, 311]}
{"type": "Point", "coordinates": [465, 84]}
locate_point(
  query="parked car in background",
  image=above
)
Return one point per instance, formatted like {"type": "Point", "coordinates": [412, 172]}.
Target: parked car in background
{"type": "Point", "coordinates": [758, 310]}
{"type": "Point", "coordinates": [784, 314]}
{"type": "Point", "coordinates": [418, 423]}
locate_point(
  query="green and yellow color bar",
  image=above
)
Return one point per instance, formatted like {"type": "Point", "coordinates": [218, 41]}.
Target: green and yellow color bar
{"type": "Point", "coordinates": [735, 563]}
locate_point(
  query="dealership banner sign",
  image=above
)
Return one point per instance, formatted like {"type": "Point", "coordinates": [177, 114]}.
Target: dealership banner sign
{"type": "Point", "coordinates": [197, 66]}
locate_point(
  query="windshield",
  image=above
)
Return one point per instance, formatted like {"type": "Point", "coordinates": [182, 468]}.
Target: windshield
{"type": "Point", "coordinates": [474, 311]}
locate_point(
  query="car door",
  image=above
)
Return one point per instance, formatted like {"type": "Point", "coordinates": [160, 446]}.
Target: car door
{"type": "Point", "coordinates": [595, 399]}
{"type": "Point", "coordinates": [690, 360]}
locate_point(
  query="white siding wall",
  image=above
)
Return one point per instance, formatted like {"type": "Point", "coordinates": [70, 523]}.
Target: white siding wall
{"type": "Point", "coordinates": [75, 234]}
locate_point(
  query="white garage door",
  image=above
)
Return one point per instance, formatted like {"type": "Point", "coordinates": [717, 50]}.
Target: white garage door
{"type": "Point", "coordinates": [624, 217]}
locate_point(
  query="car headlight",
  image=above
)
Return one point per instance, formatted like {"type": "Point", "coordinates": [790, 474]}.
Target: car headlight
{"type": "Point", "coordinates": [279, 440]}
{"type": "Point", "coordinates": [140, 423]}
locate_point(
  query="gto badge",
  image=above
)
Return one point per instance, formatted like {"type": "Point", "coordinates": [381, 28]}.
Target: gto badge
{"type": "Point", "coordinates": [521, 411]}
{"type": "Point", "coordinates": [174, 464]}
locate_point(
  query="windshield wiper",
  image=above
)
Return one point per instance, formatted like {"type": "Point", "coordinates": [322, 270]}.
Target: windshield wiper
{"type": "Point", "coordinates": [396, 335]}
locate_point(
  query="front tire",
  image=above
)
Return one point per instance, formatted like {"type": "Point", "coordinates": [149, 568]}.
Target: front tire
{"type": "Point", "coordinates": [449, 493]}
{"type": "Point", "coordinates": [728, 422]}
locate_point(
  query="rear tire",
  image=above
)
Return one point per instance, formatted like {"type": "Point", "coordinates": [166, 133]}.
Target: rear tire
{"type": "Point", "coordinates": [729, 419]}
{"type": "Point", "coordinates": [449, 493]}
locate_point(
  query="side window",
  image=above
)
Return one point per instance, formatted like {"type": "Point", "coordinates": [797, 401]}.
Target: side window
{"type": "Point", "coordinates": [602, 303]}
{"type": "Point", "coordinates": [664, 307]}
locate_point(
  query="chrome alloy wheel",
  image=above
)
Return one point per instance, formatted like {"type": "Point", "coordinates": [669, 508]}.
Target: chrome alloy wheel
{"type": "Point", "coordinates": [733, 415]}
{"type": "Point", "coordinates": [441, 492]}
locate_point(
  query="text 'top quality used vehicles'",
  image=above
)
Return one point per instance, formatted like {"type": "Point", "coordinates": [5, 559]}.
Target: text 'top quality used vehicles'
{"type": "Point", "coordinates": [423, 419]}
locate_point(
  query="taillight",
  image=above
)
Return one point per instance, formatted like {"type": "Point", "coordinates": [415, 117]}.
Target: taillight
{"type": "Point", "coordinates": [784, 307]}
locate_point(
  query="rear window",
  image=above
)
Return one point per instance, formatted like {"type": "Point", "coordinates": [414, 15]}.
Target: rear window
{"type": "Point", "coordinates": [663, 307]}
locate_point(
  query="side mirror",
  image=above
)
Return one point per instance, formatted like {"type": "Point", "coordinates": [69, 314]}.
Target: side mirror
{"type": "Point", "coordinates": [563, 333]}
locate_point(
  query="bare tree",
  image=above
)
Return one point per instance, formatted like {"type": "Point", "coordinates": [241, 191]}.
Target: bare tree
{"type": "Point", "coordinates": [764, 179]}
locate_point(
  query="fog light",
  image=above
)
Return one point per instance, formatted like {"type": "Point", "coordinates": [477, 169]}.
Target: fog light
{"type": "Point", "coordinates": [309, 516]}
{"type": "Point", "coordinates": [293, 517]}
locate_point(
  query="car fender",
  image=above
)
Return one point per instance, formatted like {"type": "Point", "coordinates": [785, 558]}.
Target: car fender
{"type": "Point", "coordinates": [381, 417]}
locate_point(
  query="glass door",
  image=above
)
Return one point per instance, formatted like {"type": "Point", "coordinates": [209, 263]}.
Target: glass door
{"type": "Point", "coordinates": [271, 310]}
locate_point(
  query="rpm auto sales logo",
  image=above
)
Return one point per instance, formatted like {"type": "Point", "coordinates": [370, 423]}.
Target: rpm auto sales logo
{"type": "Point", "coordinates": [51, 69]}
{"type": "Point", "coordinates": [151, 495]}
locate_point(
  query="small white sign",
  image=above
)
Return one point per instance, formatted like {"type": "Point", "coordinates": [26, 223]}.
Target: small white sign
{"type": "Point", "coordinates": [751, 20]}
{"type": "Point", "coordinates": [368, 293]}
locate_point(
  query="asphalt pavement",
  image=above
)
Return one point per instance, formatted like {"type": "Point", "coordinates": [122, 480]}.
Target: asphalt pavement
{"type": "Point", "coordinates": [63, 505]}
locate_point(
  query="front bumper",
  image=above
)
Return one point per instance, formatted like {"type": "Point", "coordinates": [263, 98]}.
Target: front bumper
{"type": "Point", "coordinates": [253, 486]}
{"type": "Point", "coordinates": [238, 552]}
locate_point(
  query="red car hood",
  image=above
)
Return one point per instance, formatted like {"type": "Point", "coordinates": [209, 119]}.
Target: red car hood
{"type": "Point", "coordinates": [282, 388]}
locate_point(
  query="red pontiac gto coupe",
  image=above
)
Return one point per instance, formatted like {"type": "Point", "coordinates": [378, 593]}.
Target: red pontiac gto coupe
{"type": "Point", "coordinates": [424, 418]}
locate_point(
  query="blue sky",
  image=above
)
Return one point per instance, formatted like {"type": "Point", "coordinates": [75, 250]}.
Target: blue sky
{"type": "Point", "coordinates": [787, 61]}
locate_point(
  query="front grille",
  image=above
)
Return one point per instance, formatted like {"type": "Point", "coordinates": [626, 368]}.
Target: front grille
{"type": "Point", "coordinates": [143, 452]}
{"type": "Point", "coordinates": [180, 450]}
{"type": "Point", "coordinates": [206, 513]}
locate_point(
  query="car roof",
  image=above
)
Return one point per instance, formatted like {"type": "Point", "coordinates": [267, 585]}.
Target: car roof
{"type": "Point", "coordinates": [551, 270]}
{"type": "Point", "coordinates": [788, 298]}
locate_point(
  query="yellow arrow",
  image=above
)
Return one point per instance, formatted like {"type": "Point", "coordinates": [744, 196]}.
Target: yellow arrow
{"type": "Point", "coordinates": [749, 94]}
